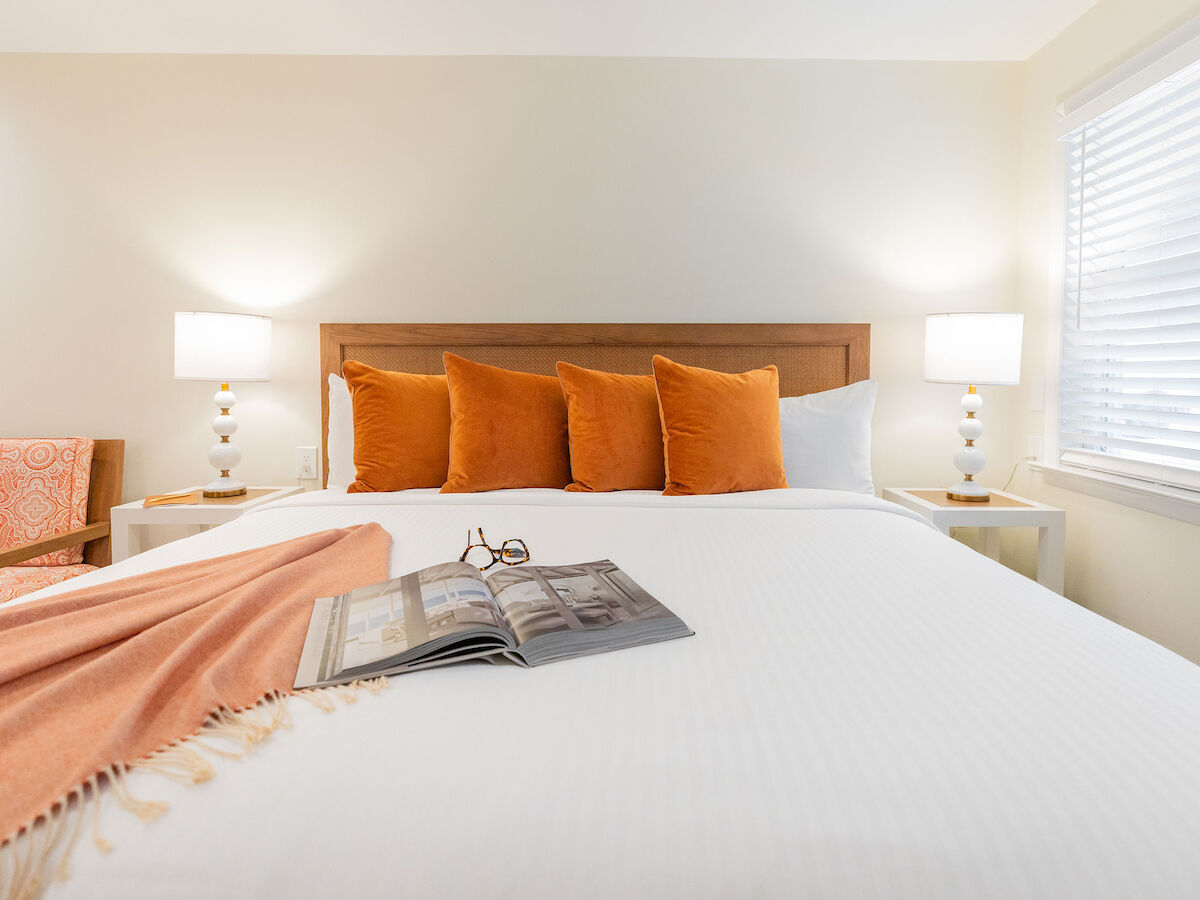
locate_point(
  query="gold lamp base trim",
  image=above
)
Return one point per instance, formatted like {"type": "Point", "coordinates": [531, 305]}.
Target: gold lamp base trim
{"type": "Point", "coordinates": [214, 495]}
{"type": "Point", "coordinates": [969, 498]}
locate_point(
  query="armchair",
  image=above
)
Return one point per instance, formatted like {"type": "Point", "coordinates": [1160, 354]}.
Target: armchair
{"type": "Point", "coordinates": [55, 497]}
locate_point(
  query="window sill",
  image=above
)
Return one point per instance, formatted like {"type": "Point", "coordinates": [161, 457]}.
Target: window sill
{"type": "Point", "coordinates": [1175, 503]}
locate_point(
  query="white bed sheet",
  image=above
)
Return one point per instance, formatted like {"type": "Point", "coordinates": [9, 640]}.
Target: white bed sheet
{"type": "Point", "coordinates": [867, 709]}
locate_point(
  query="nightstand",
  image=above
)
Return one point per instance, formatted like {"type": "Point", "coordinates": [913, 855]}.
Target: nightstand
{"type": "Point", "coordinates": [1001, 511]}
{"type": "Point", "coordinates": [208, 512]}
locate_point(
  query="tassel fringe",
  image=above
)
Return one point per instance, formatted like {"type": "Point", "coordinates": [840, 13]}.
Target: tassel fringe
{"type": "Point", "coordinates": [26, 857]}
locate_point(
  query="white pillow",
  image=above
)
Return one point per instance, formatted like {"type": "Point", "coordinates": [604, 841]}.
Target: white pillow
{"type": "Point", "coordinates": [827, 438]}
{"type": "Point", "coordinates": [341, 435]}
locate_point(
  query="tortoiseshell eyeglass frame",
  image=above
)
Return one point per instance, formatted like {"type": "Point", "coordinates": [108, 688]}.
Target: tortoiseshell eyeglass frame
{"type": "Point", "coordinates": [509, 554]}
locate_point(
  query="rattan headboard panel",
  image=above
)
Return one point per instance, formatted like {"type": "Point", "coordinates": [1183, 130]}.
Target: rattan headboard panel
{"type": "Point", "coordinates": [802, 370]}
{"type": "Point", "coordinates": [810, 357]}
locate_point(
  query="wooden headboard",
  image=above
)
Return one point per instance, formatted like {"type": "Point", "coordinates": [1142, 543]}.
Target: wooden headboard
{"type": "Point", "coordinates": [810, 357]}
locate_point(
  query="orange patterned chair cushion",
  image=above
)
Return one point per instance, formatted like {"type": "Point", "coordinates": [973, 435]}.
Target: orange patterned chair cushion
{"type": "Point", "coordinates": [16, 581]}
{"type": "Point", "coordinates": [44, 492]}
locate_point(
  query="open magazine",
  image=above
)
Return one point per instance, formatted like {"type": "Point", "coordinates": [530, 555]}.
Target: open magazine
{"type": "Point", "coordinates": [451, 612]}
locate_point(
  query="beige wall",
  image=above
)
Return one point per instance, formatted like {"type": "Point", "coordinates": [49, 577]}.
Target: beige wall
{"type": "Point", "coordinates": [1141, 570]}
{"type": "Point", "coordinates": [476, 189]}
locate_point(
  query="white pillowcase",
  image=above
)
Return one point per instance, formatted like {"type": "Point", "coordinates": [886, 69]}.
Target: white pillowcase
{"type": "Point", "coordinates": [827, 438]}
{"type": "Point", "coordinates": [341, 435]}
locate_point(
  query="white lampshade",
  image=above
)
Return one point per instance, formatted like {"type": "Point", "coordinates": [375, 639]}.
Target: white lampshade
{"type": "Point", "coordinates": [222, 347]}
{"type": "Point", "coordinates": [973, 348]}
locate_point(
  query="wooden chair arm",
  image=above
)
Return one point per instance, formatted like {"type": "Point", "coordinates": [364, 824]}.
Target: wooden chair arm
{"type": "Point", "coordinates": [23, 552]}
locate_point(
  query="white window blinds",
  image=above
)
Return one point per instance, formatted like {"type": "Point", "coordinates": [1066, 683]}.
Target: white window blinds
{"type": "Point", "coordinates": [1130, 379]}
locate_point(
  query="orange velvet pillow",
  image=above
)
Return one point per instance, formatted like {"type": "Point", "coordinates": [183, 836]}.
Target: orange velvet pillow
{"type": "Point", "coordinates": [721, 431]}
{"type": "Point", "coordinates": [507, 429]}
{"type": "Point", "coordinates": [614, 431]}
{"type": "Point", "coordinates": [401, 429]}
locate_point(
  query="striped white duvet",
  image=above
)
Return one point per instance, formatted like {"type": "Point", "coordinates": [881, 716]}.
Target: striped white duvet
{"type": "Point", "coordinates": [868, 709]}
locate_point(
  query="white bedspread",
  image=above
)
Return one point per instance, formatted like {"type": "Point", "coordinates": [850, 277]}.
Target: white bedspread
{"type": "Point", "coordinates": [867, 709]}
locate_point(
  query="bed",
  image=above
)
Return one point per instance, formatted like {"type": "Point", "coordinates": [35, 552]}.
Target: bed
{"type": "Point", "coordinates": [868, 708]}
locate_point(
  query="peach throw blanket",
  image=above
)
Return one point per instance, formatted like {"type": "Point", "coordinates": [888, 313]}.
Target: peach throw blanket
{"type": "Point", "coordinates": [101, 677]}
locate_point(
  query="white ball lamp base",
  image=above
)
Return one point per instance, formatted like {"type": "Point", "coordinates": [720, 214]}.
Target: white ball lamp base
{"type": "Point", "coordinates": [970, 459]}
{"type": "Point", "coordinates": [224, 454]}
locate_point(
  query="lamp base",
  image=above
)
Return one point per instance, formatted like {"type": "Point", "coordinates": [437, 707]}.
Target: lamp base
{"type": "Point", "coordinates": [224, 487]}
{"type": "Point", "coordinates": [968, 492]}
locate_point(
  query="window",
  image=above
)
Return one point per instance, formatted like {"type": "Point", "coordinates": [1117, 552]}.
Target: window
{"type": "Point", "coordinates": [1129, 399]}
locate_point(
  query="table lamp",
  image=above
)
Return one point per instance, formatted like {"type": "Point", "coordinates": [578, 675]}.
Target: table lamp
{"type": "Point", "coordinates": [223, 347]}
{"type": "Point", "coordinates": [972, 349]}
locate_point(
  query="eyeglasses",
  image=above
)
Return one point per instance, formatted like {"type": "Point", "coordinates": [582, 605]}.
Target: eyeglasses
{"type": "Point", "coordinates": [511, 553]}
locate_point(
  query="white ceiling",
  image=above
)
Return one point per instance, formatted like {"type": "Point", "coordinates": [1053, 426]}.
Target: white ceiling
{"type": "Point", "coordinates": [778, 29]}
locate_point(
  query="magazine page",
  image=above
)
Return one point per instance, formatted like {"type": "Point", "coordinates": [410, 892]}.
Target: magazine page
{"type": "Point", "coordinates": [543, 600]}
{"type": "Point", "coordinates": [405, 620]}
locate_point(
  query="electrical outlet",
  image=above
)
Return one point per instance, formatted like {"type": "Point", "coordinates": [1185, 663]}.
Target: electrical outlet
{"type": "Point", "coordinates": [306, 462]}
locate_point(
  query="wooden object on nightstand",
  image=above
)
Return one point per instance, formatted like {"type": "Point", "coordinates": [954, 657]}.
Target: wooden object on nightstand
{"type": "Point", "coordinates": [1003, 510]}
{"type": "Point", "coordinates": [207, 512]}
{"type": "Point", "coordinates": [183, 498]}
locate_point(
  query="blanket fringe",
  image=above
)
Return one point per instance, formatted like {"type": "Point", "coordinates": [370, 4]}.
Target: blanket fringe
{"type": "Point", "coordinates": [318, 698]}
{"type": "Point", "coordinates": [26, 857]}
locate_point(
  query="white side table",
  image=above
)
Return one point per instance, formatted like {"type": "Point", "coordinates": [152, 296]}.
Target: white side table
{"type": "Point", "coordinates": [1001, 511]}
{"type": "Point", "coordinates": [208, 512]}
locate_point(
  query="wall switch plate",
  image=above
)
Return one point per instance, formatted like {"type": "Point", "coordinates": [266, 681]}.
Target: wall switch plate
{"type": "Point", "coordinates": [1037, 394]}
{"type": "Point", "coordinates": [306, 462]}
{"type": "Point", "coordinates": [1035, 446]}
